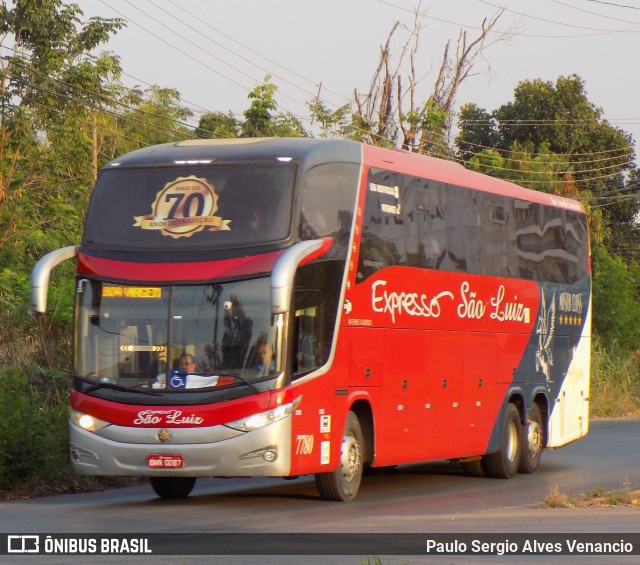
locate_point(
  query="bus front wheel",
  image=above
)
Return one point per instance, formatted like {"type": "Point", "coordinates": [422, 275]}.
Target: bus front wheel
{"type": "Point", "coordinates": [505, 462]}
{"type": "Point", "coordinates": [343, 483]}
{"type": "Point", "coordinates": [172, 487]}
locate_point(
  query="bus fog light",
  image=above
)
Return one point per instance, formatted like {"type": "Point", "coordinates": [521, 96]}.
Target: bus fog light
{"type": "Point", "coordinates": [269, 453]}
{"type": "Point", "coordinates": [80, 455]}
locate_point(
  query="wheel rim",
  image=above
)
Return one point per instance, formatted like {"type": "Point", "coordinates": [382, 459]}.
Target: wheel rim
{"type": "Point", "coordinates": [512, 442]}
{"type": "Point", "coordinates": [351, 458]}
{"type": "Point", "coordinates": [534, 439]}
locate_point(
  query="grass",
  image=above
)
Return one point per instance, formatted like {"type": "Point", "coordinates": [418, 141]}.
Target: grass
{"type": "Point", "coordinates": [597, 498]}
{"type": "Point", "coordinates": [615, 382]}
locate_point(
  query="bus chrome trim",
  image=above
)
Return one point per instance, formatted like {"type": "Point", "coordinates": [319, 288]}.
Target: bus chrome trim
{"type": "Point", "coordinates": [245, 455]}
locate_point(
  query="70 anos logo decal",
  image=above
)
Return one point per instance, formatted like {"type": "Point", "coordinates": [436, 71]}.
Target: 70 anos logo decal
{"type": "Point", "coordinates": [183, 207]}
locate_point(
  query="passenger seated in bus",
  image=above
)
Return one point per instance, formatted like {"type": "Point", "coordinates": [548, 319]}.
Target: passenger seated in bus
{"type": "Point", "coordinates": [266, 362]}
{"type": "Point", "coordinates": [185, 364]}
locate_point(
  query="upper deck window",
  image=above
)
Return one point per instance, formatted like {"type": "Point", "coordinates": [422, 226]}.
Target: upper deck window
{"type": "Point", "coordinates": [190, 207]}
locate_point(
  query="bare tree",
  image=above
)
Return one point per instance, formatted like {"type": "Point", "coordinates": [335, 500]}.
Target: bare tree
{"type": "Point", "coordinates": [391, 114]}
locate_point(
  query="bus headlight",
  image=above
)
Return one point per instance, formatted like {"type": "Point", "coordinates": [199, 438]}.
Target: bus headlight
{"type": "Point", "coordinates": [87, 422]}
{"type": "Point", "coordinates": [262, 419]}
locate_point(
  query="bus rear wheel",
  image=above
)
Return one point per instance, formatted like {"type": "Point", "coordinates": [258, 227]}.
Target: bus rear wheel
{"type": "Point", "coordinates": [533, 435]}
{"type": "Point", "coordinates": [172, 487]}
{"type": "Point", "coordinates": [343, 483]}
{"type": "Point", "coordinates": [505, 462]}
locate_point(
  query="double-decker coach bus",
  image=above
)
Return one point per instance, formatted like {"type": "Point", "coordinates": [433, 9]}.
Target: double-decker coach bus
{"type": "Point", "coordinates": [281, 307]}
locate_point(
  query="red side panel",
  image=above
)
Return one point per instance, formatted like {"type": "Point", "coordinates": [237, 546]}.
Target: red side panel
{"type": "Point", "coordinates": [447, 345]}
{"type": "Point", "coordinates": [166, 272]}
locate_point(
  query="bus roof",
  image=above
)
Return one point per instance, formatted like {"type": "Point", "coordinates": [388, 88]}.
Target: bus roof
{"type": "Point", "coordinates": [454, 173]}
{"type": "Point", "coordinates": [203, 151]}
{"type": "Point", "coordinates": [310, 151]}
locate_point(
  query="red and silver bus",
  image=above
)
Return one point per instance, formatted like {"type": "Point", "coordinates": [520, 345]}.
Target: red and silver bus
{"type": "Point", "coordinates": [282, 307]}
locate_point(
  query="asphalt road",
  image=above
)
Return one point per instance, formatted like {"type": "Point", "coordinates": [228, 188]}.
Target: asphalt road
{"type": "Point", "coordinates": [430, 499]}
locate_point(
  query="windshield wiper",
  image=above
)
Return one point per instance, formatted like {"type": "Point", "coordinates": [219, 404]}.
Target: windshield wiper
{"type": "Point", "coordinates": [247, 382]}
{"type": "Point", "coordinates": [111, 386]}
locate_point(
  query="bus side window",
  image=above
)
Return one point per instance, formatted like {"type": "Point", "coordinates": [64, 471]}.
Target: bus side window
{"type": "Point", "coordinates": [310, 349]}
{"type": "Point", "coordinates": [314, 314]}
{"type": "Point", "coordinates": [306, 340]}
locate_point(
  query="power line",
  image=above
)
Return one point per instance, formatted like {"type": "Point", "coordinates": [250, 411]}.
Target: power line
{"type": "Point", "coordinates": [197, 46]}
{"type": "Point", "coordinates": [614, 4]}
{"type": "Point", "coordinates": [545, 20]}
{"type": "Point", "coordinates": [599, 15]}
{"type": "Point", "coordinates": [162, 40]}
{"type": "Point", "coordinates": [255, 52]}
{"type": "Point", "coordinates": [596, 31]}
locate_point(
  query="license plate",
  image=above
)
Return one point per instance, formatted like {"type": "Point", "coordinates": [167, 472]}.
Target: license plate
{"type": "Point", "coordinates": [165, 461]}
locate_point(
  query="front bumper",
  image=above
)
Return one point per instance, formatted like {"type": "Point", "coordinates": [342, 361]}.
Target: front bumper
{"type": "Point", "coordinates": [213, 451]}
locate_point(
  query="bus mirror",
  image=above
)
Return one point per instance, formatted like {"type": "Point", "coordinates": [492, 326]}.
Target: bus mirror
{"type": "Point", "coordinates": [285, 270]}
{"type": "Point", "coordinates": [40, 276]}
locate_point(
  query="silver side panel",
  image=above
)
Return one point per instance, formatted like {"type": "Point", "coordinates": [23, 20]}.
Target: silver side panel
{"type": "Point", "coordinates": [284, 273]}
{"type": "Point", "coordinates": [40, 276]}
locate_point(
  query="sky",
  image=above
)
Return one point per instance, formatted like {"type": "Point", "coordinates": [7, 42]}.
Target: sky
{"type": "Point", "coordinates": [215, 52]}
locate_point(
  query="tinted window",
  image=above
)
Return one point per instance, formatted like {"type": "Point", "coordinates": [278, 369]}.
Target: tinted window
{"type": "Point", "coordinates": [187, 208]}
{"type": "Point", "coordinates": [423, 223]}
{"type": "Point", "coordinates": [328, 201]}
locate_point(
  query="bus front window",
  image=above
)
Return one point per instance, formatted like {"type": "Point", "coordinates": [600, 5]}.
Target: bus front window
{"type": "Point", "coordinates": [174, 338]}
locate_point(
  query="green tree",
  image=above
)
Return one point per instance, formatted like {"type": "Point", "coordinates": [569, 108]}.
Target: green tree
{"type": "Point", "coordinates": [478, 132]}
{"type": "Point", "coordinates": [48, 84]}
{"type": "Point", "coordinates": [218, 125]}
{"type": "Point", "coordinates": [333, 123]}
{"type": "Point", "coordinates": [148, 117]}
{"type": "Point", "coordinates": [616, 309]}
{"type": "Point", "coordinates": [261, 119]}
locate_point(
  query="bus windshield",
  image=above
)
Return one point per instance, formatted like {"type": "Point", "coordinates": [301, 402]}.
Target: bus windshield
{"type": "Point", "coordinates": [175, 337]}
{"type": "Point", "coordinates": [190, 207]}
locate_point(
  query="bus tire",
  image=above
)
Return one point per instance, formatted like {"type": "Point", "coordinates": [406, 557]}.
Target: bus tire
{"type": "Point", "coordinates": [504, 463]}
{"type": "Point", "coordinates": [172, 487]}
{"type": "Point", "coordinates": [532, 442]}
{"type": "Point", "coordinates": [343, 483]}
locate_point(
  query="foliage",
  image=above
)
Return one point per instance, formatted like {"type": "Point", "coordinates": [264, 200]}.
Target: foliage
{"type": "Point", "coordinates": [615, 380]}
{"type": "Point", "coordinates": [217, 125]}
{"type": "Point", "coordinates": [616, 309]}
{"type": "Point", "coordinates": [149, 117]}
{"type": "Point", "coordinates": [33, 416]}
{"type": "Point", "coordinates": [333, 123]}
{"type": "Point", "coordinates": [262, 118]}
{"type": "Point", "coordinates": [48, 85]}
